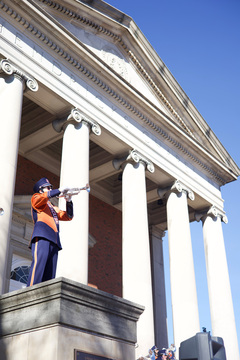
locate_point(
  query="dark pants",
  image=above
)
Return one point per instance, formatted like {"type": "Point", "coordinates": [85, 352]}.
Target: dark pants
{"type": "Point", "coordinates": [44, 262]}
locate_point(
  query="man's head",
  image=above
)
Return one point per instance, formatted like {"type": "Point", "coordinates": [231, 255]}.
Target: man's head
{"type": "Point", "coordinates": [162, 354]}
{"type": "Point", "coordinates": [155, 350]}
{"type": "Point", "coordinates": [42, 185]}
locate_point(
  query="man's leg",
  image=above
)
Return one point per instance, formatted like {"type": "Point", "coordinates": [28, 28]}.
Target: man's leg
{"type": "Point", "coordinates": [40, 251]}
{"type": "Point", "coordinates": [51, 265]}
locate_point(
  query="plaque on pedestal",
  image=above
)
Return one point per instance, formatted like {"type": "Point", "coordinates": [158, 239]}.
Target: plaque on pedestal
{"type": "Point", "coordinates": [79, 355]}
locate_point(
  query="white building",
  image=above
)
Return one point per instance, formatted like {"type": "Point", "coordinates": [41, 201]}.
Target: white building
{"type": "Point", "coordinates": [84, 96]}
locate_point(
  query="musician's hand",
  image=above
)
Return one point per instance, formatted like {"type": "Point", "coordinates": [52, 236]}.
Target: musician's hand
{"type": "Point", "coordinates": [64, 190]}
{"type": "Point", "coordinates": [68, 197]}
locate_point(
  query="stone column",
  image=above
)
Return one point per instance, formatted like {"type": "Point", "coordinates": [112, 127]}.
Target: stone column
{"type": "Point", "coordinates": [182, 275]}
{"type": "Point", "coordinates": [73, 259]}
{"type": "Point", "coordinates": [220, 298]}
{"type": "Point", "coordinates": [159, 294]}
{"type": "Point", "coordinates": [137, 282]}
{"type": "Point", "coordinates": [12, 85]}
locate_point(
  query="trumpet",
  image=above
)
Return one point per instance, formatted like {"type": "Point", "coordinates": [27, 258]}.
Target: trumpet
{"type": "Point", "coordinates": [74, 191]}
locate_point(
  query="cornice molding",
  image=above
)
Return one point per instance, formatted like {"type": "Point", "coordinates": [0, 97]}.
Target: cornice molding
{"type": "Point", "coordinates": [97, 81]}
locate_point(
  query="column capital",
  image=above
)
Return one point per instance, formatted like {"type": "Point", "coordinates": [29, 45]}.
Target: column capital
{"type": "Point", "coordinates": [157, 232]}
{"type": "Point", "coordinates": [177, 187]}
{"type": "Point", "coordinates": [76, 117]}
{"type": "Point", "coordinates": [10, 69]}
{"type": "Point", "coordinates": [214, 212]}
{"type": "Point", "coordinates": [133, 156]}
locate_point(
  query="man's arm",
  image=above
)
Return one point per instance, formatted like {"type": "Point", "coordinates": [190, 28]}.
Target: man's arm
{"type": "Point", "coordinates": [65, 215]}
{"type": "Point", "coordinates": [39, 200]}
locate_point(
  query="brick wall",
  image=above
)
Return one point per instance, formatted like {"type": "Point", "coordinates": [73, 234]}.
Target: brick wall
{"type": "Point", "coordinates": [105, 260]}
{"type": "Point", "coordinates": [105, 224]}
{"type": "Point", "coordinates": [28, 174]}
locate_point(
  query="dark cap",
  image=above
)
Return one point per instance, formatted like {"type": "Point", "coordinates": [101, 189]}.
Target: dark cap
{"type": "Point", "coordinates": [40, 184]}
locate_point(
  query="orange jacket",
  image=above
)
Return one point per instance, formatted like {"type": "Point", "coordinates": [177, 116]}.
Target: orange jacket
{"type": "Point", "coordinates": [46, 217]}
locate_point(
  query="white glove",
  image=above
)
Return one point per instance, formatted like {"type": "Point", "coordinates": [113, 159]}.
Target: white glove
{"type": "Point", "coordinates": [64, 190]}
{"type": "Point", "coordinates": [68, 197]}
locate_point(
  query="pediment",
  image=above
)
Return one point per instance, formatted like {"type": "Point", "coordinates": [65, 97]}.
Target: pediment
{"type": "Point", "coordinates": [118, 60]}
{"type": "Point", "coordinates": [113, 54]}
{"type": "Point", "coordinates": [116, 46]}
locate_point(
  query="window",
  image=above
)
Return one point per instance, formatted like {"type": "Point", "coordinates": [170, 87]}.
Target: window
{"type": "Point", "coordinates": [20, 274]}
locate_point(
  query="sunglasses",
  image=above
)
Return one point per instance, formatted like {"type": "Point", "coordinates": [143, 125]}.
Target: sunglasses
{"type": "Point", "coordinates": [46, 187]}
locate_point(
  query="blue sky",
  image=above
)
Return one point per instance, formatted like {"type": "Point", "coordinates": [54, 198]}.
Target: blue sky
{"type": "Point", "coordinates": [199, 41]}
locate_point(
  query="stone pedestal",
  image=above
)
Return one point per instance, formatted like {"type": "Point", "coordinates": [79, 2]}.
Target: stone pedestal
{"type": "Point", "coordinates": [53, 319]}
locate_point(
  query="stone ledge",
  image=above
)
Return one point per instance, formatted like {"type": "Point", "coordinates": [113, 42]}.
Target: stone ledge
{"type": "Point", "coordinates": [66, 302]}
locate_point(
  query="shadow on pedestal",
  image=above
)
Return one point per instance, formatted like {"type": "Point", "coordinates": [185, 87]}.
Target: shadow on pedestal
{"type": "Point", "coordinates": [3, 355]}
{"type": "Point", "coordinates": [52, 319]}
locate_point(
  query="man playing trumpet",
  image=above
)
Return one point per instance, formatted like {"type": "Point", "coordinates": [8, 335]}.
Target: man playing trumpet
{"type": "Point", "coordinates": [45, 241]}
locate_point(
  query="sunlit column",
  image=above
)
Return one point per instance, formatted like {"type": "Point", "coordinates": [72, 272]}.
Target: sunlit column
{"type": "Point", "coordinates": [159, 293]}
{"type": "Point", "coordinates": [182, 275]}
{"type": "Point", "coordinates": [137, 283]}
{"type": "Point", "coordinates": [73, 259]}
{"type": "Point", "coordinates": [220, 298]}
{"type": "Point", "coordinates": [12, 84]}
